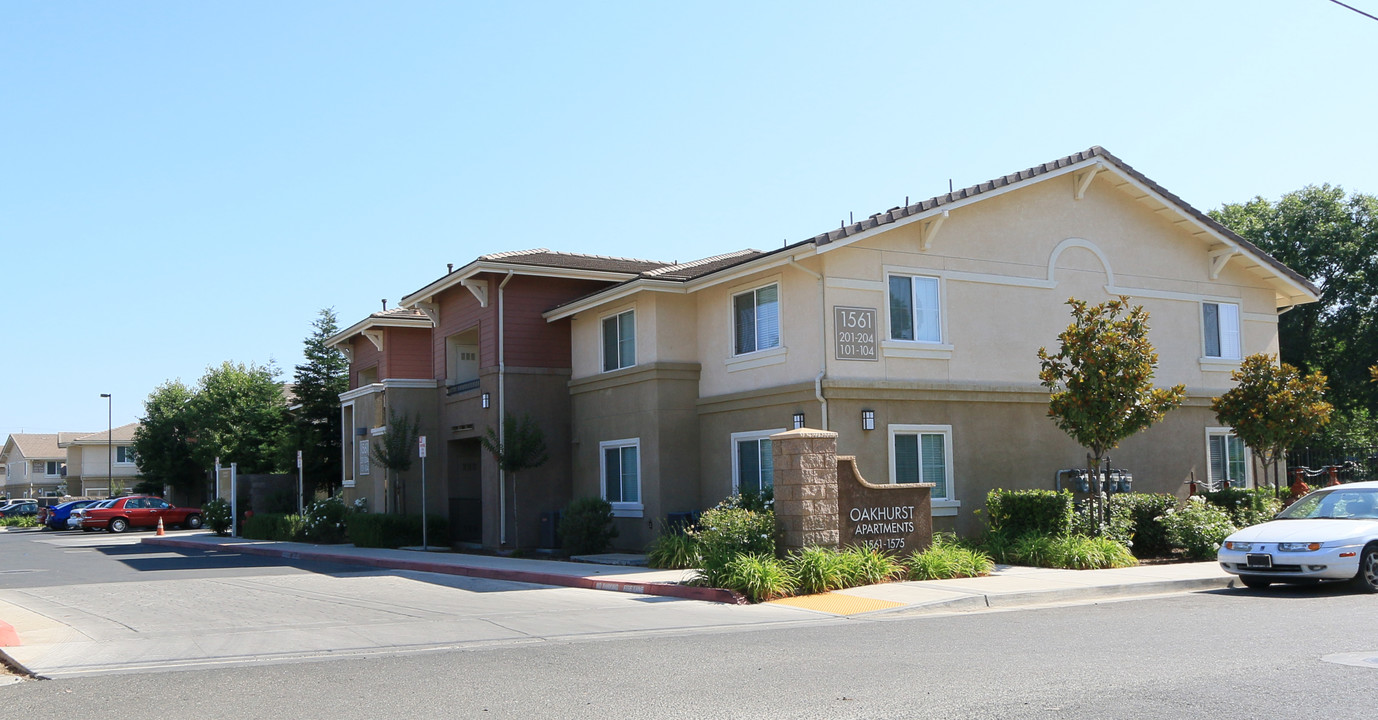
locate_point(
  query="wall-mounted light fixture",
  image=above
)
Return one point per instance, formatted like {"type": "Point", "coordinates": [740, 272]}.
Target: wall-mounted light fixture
{"type": "Point", "coordinates": [484, 400]}
{"type": "Point", "coordinates": [798, 420]}
{"type": "Point", "coordinates": [868, 419]}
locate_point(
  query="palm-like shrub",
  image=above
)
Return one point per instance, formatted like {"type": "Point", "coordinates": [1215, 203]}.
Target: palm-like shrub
{"type": "Point", "coordinates": [758, 577]}
{"type": "Point", "coordinates": [818, 570]}
{"type": "Point", "coordinates": [673, 551]}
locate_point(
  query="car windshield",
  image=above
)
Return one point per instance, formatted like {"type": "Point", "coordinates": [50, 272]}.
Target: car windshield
{"type": "Point", "coordinates": [1335, 503]}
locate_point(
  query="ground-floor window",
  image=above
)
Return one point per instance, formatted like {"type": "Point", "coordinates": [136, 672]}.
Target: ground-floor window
{"type": "Point", "coordinates": [621, 473]}
{"type": "Point", "coordinates": [753, 466]}
{"type": "Point", "coordinates": [1228, 458]}
{"type": "Point", "coordinates": [923, 454]}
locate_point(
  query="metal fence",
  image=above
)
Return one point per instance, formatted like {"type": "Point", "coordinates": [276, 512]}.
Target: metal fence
{"type": "Point", "coordinates": [1351, 464]}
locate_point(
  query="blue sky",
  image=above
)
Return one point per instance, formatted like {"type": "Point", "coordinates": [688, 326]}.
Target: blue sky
{"type": "Point", "coordinates": [187, 183]}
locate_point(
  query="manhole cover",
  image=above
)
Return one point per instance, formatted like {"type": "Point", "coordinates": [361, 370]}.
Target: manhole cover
{"type": "Point", "coordinates": [1368, 659]}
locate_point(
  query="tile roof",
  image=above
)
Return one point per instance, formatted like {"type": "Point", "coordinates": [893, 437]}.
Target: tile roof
{"type": "Point", "coordinates": [897, 213]}
{"type": "Point", "coordinates": [699, 268]}
{"type": "Point", "coordinates": [542, 257]}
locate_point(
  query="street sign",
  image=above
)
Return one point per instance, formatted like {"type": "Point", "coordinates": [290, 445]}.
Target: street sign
{"type": "Point", "coordinates": [423, 446]}
{"type": "Point", "coordinates": [298, 459]}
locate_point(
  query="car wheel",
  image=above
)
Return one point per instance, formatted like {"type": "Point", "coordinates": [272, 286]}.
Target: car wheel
{"type": "Point", "coordinates": [193, 522]}
{"type": "Point", "coordinates": [1255, 582]}
{"type": "Point", "coordinates": [118, 525]}
{"type": "Point", "coordinates": [1367, 579]}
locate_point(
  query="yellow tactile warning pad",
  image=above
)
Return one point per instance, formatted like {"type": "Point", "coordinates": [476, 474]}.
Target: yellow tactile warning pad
{"type": "Point", "coordinates": [836, 603]}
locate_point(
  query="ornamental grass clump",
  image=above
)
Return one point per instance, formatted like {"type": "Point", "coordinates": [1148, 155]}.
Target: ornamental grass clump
{"type": "Point", "coordinates": [867, 566]}
{"type": "Point", "coordinates": [673, 550]}
{"type": "Point", "coordinates": [946, 559]}
{"type": "Point", "coordinates": [818, 570]}
{"type": "Point", "coordinates": [758, 577]}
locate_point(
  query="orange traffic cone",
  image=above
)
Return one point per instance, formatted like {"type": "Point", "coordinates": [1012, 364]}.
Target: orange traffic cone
{"type": "Point", "coordinates": [160, 527]}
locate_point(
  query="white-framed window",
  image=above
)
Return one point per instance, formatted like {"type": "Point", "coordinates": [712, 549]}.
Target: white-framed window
{"type": "Point", "coordinates": [53, 468]}
{"type": "Point", "coordinates": [124, 455]}
{"type": "Point", "coordinates": [756, 320]}
{"type": "Point", "coordinates": [619, 341]}
{"type": "Point", "coordinates": [753, 466]}
{"type": "Point", "coordinates": [923, 453]}
{"type": "Point", "coordinates": [1228, 458]}
{"type": "Point", "coordinates": [1220, 324]}
{"type": "Point", "coordinates": [620, 466]}
{"type": "Point", "coordinates": [915, 308]}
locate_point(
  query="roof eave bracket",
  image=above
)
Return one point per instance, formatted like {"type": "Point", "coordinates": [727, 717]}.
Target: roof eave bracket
{"type": "Point", "coordinates": [478, 288]}
{"type": "Point", "coordinates": [1219, 258]}
{"type": "Point", "coordinates": [1082, 180]}
{"type": "Point", "coordinates": [929, 229]}
{"type": "Point", "coordinates": [375, 337]}
{"type": "Point", "coordinates": [431, 310]}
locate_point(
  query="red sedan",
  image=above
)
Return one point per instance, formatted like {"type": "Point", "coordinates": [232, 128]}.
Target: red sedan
{"type": "Point", "coordinates": [139, 511]}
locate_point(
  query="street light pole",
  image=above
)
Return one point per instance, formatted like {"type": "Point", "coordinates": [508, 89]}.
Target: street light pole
{"type": "Point", "coordinates": [109, 445]}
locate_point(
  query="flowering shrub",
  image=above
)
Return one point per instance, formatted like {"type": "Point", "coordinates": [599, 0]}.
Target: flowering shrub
{"type": "Point", "coordinates": [1246, 507]}
{"type": "Point", "coordinates": [326, 521]}
{"type": "Point", "coordinates": [729, 530]}
{"type": "Point", "coordinates": [1198, 528]}
{"type": "Point", "coordinates": [216, 513]}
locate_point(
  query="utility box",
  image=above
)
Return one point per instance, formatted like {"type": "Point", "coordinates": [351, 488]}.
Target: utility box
{"type": "Point", "coordinates": [550, 530]}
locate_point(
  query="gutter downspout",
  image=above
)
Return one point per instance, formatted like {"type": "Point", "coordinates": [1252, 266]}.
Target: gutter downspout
{"type": "Point", "coordinates": [502, 415]}
{"type": "Point", "coordinates": [822, 342]}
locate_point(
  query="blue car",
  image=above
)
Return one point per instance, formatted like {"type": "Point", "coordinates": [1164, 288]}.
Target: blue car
{"type": "Point", "coordinates": [56, 517]}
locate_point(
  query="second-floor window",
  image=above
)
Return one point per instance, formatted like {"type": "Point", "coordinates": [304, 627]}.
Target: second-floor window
{"type": "Point", "coordinates": [756, 320]}
{"type": "Point", "coordinates": [914, 309]}
{"type": "Point", "coordinates": [53, 468]}
{"type": "Point", "coordinates": [1221, 322]}
{"type": "Point", "coordinates": [619, 341]}
{"type": "Point", "coordinates": [124, 455]}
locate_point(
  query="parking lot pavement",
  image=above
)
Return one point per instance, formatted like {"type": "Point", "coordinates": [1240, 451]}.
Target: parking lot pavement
{"type": "Point", "coordinates": [277, 613]}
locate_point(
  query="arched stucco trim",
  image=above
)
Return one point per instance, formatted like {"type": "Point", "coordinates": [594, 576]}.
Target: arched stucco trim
{"type": "Point", "coordinates": [1080, 243]}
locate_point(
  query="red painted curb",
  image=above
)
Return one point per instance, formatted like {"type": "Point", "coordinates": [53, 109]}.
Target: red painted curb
{"type": "Point", "coordinates": [686, 592]}
{"type": "Point", "coordinates": [8, 637]}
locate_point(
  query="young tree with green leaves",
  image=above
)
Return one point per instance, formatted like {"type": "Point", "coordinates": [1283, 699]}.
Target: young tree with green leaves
{"type": "Point", "coordinates": [1271, 406]}
{"type": "Point", "coordinates": [239, 414]}
{"type": "Point", "coordinates": [394, 452]}
{"type": "Point", "coordinates": [520, 447]}
{"type": "Point", "coordinates": [316, 423]}
{"type": "Point", "coordinates": [1101, 378]}
{"type": "Point", "coordinates": [163, 441]}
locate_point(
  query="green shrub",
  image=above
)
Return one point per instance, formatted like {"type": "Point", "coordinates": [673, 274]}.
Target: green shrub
{"type": "Point", "coordinates": [946, 559]}
{"type": "Point", "coordinates": [1076, 552]}
{"type": "Point", "coordinates": [727, 531]}
{"type": "Point", "coordinates": [998, 545]}
{"type": "Point", "coordinates": [22, 521]}
{"type": "Point", "coordinates": [1118, 524]}
{"type": "Point", "coordinates": [216, 515]}
{"type": "Point", "coordinates": [326, 521]}
{"type": "Point", "coordinates": [758, 577]}
{"type": "Point", "coordinates": [586, 526]}
{"type": "Point", "coordinates": [1149, 535]}
{"type": "Point", "coordinates": [272, 526]}
{"type": "Point", "coordinates": [866, 566]}
{"type": "Point", "coordinates": [1198, 528]}
{"type": "Point", "coordinates": [394, 531]}
{"type": "Point", "coordinates": [818, 570]}
{"type": "Point", "coordinates": [1245, 507]}
{"type": "Point", "coordinates": [673, 550]}
{"type": "Point", "coordinates": [1021, 511]}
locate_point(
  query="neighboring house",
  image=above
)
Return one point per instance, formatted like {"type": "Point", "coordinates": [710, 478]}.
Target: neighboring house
{"type": "Point", "coordinates": [89, 461]}
{"type": "Point", "coordinates": [913, 335]}
{"type": "Point", "coordinates": [35, 464]}
{"type": "Point", "coordinates": [462, 351]}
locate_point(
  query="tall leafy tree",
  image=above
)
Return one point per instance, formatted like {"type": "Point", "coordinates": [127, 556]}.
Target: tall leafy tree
{"type": "Point", "coordinates": [1271, 406]}
{"type": "Point", "coordinates": [1332, 239]}
{"type": "Point", "coordinates": [1101, 378]}
{"type": "Point", "coordinates": [316, 421]}
{"type": "Point", "coordinates": [520, 447]}
{"type": "Point", "coordinates": [239, 414]}
{"type": "Point", "coordinates": [163, 441]}
{"type": "Point", "coordinates": [394, 452]}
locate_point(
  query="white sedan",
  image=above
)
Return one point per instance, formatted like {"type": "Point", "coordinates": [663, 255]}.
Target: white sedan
{"type": "Point", "coordinates": [1331, 534]}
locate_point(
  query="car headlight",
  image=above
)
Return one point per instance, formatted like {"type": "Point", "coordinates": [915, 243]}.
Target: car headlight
{"type": "Point", "coordinates": [1298, 547]}
{"type": "Point", "coordinates": [1241, 546]}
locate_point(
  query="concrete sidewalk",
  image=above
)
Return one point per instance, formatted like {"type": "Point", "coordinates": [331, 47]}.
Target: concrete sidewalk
{"type": "Point", "coordinates": [1006, 587]}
